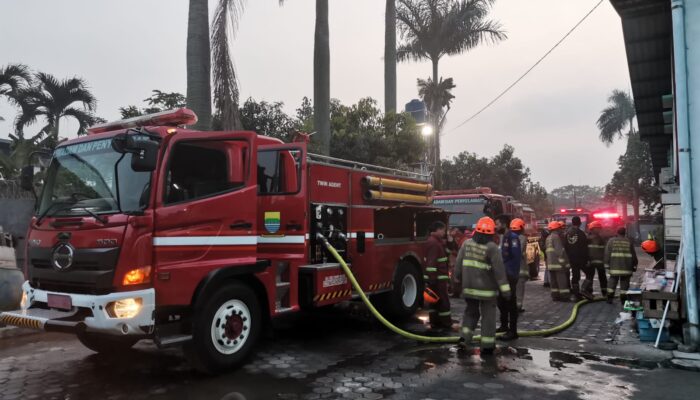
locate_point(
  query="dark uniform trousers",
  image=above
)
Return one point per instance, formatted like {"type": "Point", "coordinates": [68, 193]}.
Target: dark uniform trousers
{"type": "Point", "coordinates": [438, 279]}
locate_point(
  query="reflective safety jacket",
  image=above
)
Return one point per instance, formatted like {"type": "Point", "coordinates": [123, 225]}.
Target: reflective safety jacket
{"type": "Point", "coordinates": [436, 266]}
{"type": "Point", "coordinates": [524, 269]}
{"type": "Point", "coordinates": [620, 257]}
{"type": "Point", "coordinates": [555, 253]}
{"type": "Point", "coordinates": [596, 249]}
{"type": "Point", "coordinates": [482, 273]}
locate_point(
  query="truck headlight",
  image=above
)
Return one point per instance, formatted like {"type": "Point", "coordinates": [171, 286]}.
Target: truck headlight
{"type": "Point", "coordinates": [125, 308]}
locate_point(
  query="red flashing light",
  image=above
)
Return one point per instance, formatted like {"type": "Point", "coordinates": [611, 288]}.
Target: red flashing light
{"type": "Point", "coordinates": [606, 215]}
{"type": "Point", "coordinates": [177, 117]}
{"type": "Point", "coordinates": [563, 210]}
{"type": "Point", "coordinates": [579, 209]}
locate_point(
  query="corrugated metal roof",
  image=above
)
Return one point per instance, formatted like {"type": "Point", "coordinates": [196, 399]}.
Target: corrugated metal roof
{"type": "Point", "coordinates": [646, 25]}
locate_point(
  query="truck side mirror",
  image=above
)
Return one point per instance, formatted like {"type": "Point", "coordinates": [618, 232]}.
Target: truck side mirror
{"type": "Point", "coordinates": [144, 156]}
{"type": "Point", "coordinates": [144, 150]}
{"type": "Point", "coordinates": [26, 178]}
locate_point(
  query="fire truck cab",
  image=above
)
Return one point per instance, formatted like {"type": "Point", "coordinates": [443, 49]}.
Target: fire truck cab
{"type": "Point", "coordinates": [147, 230]}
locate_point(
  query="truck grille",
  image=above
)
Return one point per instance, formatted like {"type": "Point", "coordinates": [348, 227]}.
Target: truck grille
{"type": "Point", "coordinates": [92, 271]}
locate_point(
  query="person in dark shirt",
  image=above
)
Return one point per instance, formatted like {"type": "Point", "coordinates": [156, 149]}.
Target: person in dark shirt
{"type": "Point", "coordinates": [576, 246]}
{"type": "Point", "coordinates": [511, 253]}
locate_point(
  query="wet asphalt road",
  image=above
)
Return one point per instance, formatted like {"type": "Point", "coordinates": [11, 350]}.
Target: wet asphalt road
{"type": "Point", "coordinates": [333, 355]}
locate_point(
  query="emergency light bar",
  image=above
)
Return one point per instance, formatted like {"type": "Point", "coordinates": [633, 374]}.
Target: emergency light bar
{"type": "Point", "coordinates": [176, 117]}
{"type": "Point", "coordinates": [606, 215]}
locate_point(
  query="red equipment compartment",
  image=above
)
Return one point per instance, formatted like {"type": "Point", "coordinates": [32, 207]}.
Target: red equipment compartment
{"type": "Point", "coordinates": [324, 284]}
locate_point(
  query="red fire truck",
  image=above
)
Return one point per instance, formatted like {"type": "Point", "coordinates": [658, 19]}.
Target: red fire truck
{"type": "Point", "coordinates": [147, 230]}
{"type": "Point", "coordinates": [468, 205]}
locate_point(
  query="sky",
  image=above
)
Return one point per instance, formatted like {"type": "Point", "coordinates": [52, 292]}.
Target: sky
{"type": "Point", "coordinates": [126, 48]}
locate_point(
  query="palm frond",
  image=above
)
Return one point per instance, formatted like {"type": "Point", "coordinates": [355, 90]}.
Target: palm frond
{"type": "Point", "coordinates": [614, 118]}
{"type": "Point", "coordinates": [14, 77]}
{"type": "Point", "coordinates": [433, 28]}
{"type": "Point", "coordinates": [85, 118]}
{"type": "Point", "coordinates": [226, 92]}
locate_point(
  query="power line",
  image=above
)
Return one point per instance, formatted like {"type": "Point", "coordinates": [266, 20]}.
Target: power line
{"type": "Point", "coordinates": [506, 90]}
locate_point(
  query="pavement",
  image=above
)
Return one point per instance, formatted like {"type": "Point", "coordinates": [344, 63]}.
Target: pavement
{"type": "Point", "coordinates": [342, 353]}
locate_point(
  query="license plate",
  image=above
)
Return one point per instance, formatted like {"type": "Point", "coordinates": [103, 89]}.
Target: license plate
{"type": "Point", "coordinates": [60, 301]}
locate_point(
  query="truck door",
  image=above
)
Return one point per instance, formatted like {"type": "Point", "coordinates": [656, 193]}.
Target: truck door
{"type": "Point", "coordinates": [281, 217]}
{"type": "Point", "coordinates": [206, 212]}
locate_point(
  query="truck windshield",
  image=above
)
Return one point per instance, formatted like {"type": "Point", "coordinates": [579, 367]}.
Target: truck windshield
{"type": "Point", "coordinates": [91, 177]}
{"type": "Point", "coordinates": [475, 208]}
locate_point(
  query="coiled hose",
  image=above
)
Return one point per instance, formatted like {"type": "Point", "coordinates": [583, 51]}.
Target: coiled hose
{"type": "Point", "coordinates": [440, 339]}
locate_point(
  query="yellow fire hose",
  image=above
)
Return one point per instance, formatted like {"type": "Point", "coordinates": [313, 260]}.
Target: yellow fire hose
{"type": "Point", "coordinates": [442, 339]}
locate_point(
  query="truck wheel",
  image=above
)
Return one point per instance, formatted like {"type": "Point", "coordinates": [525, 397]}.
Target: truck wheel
{"type": "Point", "coordinates": [106, 344]}
{"type": "Point", "coordinates": [226, 330]}
{"type": "Point", "coordinates": [404, 299]}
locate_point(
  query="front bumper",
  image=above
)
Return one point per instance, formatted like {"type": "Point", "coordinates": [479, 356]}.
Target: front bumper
{"type": "Point", "coordinates": [89, 313]}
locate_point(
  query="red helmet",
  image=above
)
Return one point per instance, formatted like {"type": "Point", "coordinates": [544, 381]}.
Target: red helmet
{"type": "Point", "coordinates": [517, 224]}
{"type": "Point", "coordinates": [486, 225]}
{"type": "Point", "coordinates": [650, 246]}
{"type": "Point", "coordinates": [430, 297]}
{"type": "Point", "coordinates": [594, 225]}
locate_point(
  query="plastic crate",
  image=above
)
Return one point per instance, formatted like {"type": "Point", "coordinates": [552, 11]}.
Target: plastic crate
{"type": "Point", "coordinates": [648, 334]}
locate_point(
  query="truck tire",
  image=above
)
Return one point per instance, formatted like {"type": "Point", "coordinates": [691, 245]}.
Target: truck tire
{"type": "Point", "coordinates": [106, 344]}
{"type": "Point", "coordinates": [407, 293]}
{"type": "Point", "coordinates": [226, 330]}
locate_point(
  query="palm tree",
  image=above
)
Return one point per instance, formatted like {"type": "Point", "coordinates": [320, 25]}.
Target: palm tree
{"type": "Point", "coordinates": [53, 99]}
{"type": "Point", "coordinates": [437, 98]}
{"type": "Point", "coordinates": [322, 79]}
{"type": "Point", "coordinates": [226, 91]}
{"type": "Point", "coordinates": [13, 79]}
{"type": "Point", "coordinates": [390, 57]}
{"type": "Point", "coordinates": [431, 29]}
{"type": "Point", "coordinates": [199, 63]}
{"type": "Point", "coordinates": [616, 117]}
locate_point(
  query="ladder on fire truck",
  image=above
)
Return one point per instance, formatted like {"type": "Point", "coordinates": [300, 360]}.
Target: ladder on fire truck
{"type": "Point", "coordinates": [339, 162]}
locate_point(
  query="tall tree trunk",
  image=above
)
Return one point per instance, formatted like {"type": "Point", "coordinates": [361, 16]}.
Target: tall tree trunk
{"type": "Point", "coordinates": [322, 79]}
{"type": "Point", "coordinates": [635, 209]}
{"type": "Point", "coordinates": [390, 57]}
{"type": "Point", "coordinates": [436, 110]}
{"type": "Point", "coordinates": [199, 63]}
{"type": "Point", "coordinates": [624, 211]}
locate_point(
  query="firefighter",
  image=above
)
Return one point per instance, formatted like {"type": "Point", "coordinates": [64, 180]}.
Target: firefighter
{"type": "Point", "coordinates": [557, 263]}
{"type": "Point", "coordinates": [621, 260]}
{"type": "Point", "coordinates": [596, 254]}
{"type": "Point", "coordinates": [576, 245]}
{"type": "Point", "coordinates": [483, 277]}
{"type": "Point", "coordinates": [511, 253]}
{"type": "Point", "coordinates": [518, 227]}
{"type": "Point", "coordinates": [437, 276]}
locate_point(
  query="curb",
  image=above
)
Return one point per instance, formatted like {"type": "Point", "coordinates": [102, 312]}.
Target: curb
{"type": "Point", "coordinates": [7, 332]}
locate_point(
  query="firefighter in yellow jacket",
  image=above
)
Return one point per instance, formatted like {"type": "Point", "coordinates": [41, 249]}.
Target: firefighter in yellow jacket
{"type": "Point", "coordinates": [557, 262]}
{"type": "Point", "coordinates": [483, 277]}
{"type": "Point", "coordinates": [621, 261]}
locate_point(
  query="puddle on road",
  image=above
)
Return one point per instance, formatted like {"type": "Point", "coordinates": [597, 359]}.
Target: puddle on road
{"type": "Point", "coordinates": [559, 359]}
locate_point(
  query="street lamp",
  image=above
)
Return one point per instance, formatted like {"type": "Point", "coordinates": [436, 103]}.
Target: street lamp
{"type": "Point", "coordinates": [427, 130]}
